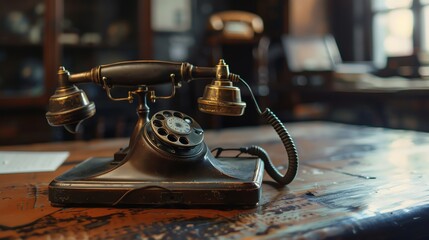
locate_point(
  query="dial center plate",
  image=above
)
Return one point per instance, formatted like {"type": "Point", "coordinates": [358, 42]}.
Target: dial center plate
{"type": "Point", "coordinates": [178, 125]}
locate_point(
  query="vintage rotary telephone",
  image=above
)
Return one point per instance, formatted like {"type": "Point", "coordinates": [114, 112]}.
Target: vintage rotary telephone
{"type": "Point", "coordinates": [167, 161]}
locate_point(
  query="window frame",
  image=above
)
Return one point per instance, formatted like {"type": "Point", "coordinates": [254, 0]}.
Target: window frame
{"type": "Point", "coordinates": [417, 32]}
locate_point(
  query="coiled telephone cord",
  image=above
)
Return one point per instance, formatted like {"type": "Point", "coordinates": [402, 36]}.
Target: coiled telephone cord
{"type": "Point", "coordinates": [258, 151]}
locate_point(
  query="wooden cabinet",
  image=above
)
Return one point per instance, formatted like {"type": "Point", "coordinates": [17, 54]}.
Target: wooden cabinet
{"type": "Point", "coordinates": [38, 36]}
{"type": "Point", "coordinates": [103, 31]}
{"type": "Point", "coordinates": [22, 70]}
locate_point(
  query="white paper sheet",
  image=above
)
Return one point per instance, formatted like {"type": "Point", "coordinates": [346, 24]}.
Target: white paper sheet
{"type": "Point", "coordinates": [24, 162]}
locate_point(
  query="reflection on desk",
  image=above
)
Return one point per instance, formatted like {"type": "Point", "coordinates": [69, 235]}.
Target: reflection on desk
{"type": "Point", "coordinates": [353, 182]}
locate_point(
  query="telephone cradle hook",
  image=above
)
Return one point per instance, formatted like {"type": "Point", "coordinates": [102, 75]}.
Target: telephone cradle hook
{"type": "Point", "coordinates": [152, 95]}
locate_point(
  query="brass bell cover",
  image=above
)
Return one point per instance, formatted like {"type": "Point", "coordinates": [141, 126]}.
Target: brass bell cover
{"type": "Point", "coordinates": [221, 98]}
{"type": "Point", "coordinates": [68, 107]}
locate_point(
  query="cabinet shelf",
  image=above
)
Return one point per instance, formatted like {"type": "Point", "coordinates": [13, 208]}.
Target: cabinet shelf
{"type": "Point", "coordinates": [98, 47]}
{"type": "Point", "coordinates": [18, 44]}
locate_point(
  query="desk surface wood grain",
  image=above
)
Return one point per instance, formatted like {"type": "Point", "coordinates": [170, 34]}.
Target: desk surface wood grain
{"type": "Point", "coordinates": [353, 182]}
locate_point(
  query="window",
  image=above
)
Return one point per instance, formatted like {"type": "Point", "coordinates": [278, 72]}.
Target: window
{"type": "Point", "coordinates": [394, 31]}
{"type": "Point", "coordinates": [425, 25]}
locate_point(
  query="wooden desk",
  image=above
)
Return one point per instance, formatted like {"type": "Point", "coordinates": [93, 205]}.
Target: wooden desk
{"type": "Point", "coordinates": [353, 182]}
{"type": "Point", "coordinates": [368, 100]}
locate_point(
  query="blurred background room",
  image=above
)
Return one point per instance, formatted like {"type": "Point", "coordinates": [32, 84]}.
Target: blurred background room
{"type": "Point", "coordinates": [360, 62]}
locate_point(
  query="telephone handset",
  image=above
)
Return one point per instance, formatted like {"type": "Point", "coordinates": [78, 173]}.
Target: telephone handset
{"type": "Point", "coordinates": [167, 160]}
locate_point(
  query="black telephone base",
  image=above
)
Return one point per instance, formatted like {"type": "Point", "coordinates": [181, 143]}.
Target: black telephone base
{"type": "Point", "coordinates": [216, 182]}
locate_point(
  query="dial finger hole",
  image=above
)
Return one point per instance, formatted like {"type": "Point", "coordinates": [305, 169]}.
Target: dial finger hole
{"type": "Point", "coordinates": [159, 116]}
{"type": "Point", "coordinates": [188, 120]}
{"type": "Point", "coordinates": [172, 138]}
{"type": "Point", "coordinates": [162, 132]}
{"type": "Point", "coordinates": [166, 114]}
{"type": "Point", "coordinates": [178, 114]}
{"type": "Point", "coordinates": [183, 140]}
{"type": "Point", "coordinates": [157, 123]}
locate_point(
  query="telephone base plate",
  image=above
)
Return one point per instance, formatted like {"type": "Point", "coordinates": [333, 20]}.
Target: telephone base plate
{"type": "Point", "coordinates": [232, 181]}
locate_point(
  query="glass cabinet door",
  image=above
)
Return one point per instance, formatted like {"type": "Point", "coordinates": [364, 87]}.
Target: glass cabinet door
{"type": "Point", "coordinates": [21, 49]}
{"type": "Point", "coordinates": [98, 32]}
